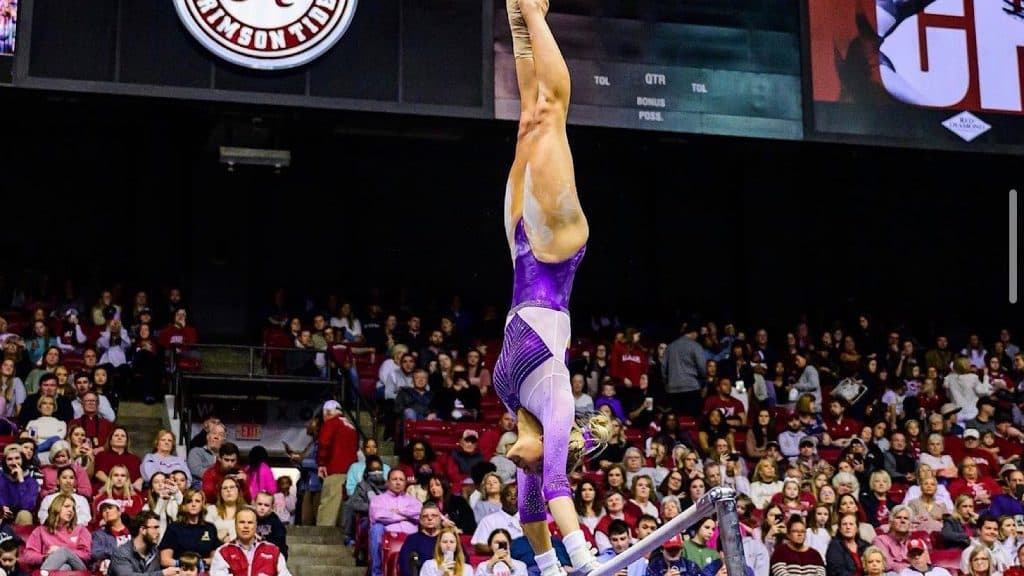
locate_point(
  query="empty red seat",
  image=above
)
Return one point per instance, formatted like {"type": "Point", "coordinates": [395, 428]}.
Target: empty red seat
{"type": "Point", "coordinates": [392, 545]}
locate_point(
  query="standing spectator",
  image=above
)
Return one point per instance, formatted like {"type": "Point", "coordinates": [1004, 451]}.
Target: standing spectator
{"type": "Point", "coordinates": [683, 371]}
{"type": "Point", "coordinates": [259, 476]}
{"type": "Point", "coordinates": [336, 452]}
{"type": "Point", "coordinates": [628, 359]}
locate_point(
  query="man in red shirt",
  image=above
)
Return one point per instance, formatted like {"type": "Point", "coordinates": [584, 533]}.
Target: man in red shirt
{"type": "Point", "coordinates": [179, 334]}
{"type": "Point", "coordinates": [336, 452]}
{"type": "Point", "coordinates": [628, 359]}
{"type": "Point", "coordinates": [731, 408]}
{"type": "Point", "coordinates": [247, 554]}
{"type": "Point", "coordinates": [227, 464]}
{"type": "Point", "coordinates": [841, 428]}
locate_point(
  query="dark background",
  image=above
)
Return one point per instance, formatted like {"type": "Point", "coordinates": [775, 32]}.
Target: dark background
{"type": "Point", "coordinates": [100, 188]}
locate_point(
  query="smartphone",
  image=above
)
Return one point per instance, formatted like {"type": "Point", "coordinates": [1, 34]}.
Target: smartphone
{"type": "Point", "coordinates": [449, 555]}
{"type": "Point", "coordinates": [649, 403]}
{"type": "Point", "coordinates": [503, 545]}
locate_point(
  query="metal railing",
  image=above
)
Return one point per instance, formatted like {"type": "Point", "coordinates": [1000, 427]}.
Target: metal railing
{"type": "Point", "coordinates": [253, 372]}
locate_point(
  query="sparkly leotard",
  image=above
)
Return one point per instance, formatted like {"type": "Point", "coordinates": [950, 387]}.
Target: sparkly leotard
{"type": "Point", "coordinates": [531, 372]}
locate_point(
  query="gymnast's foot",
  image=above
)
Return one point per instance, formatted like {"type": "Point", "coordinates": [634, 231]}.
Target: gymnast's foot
{"type": "Point", "coordinates": [521, 46]}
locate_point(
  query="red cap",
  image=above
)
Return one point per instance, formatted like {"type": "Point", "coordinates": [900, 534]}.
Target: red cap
{"type": "Point", "coordinates": [916, 544]}
{"type": "Point", "coordinates": [675, 542]}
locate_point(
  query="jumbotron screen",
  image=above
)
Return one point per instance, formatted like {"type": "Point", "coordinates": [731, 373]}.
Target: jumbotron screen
{"type": "Point", "coordinates": [922, 73]}
{"type": "Point", "coordinates": [729, 67]}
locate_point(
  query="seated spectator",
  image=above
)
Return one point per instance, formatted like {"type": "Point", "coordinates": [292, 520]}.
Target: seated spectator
{"type": "Point", "coordinates": [505, 468]}
{"type": "Point", "coordinates": [147, 362]}
{"type": "Point", "coordinates": [501, 562]}
{"type": "Point", "coordinates": [31, 462]}
{"type": "Point", "coordinates": [10, 551]}
{"type": "Point", "coordinates": [766, 483]}
{"type": "Point", "coordinates": [138, 555]}
{"type": "Point", "coordinates": [285, 499]}
{"type": "Point", "coordinates": [258, 475]}
{"type": "Point", "coordinates": [163, 501]}
{"type": "Point", "coordinates": [936, 457]}
{"type": "Point", "coordinates": [793, 555]}
{"type": "Point", "coordinates": [987, 538]}
{"type": "Point", "coordinates": [18, 492]}
{"type": "Point", "coordinates": [392, 511]}
{"type": "Point", "coordinates": [12, 390]}
{"type": "Point", "coordinates": [454, 508]}
{"type": "Point", "coordinates": [61, 458]}
{"type": "Point", "coordinates": [723, 400]}
{"type": "Point", "coordinates": [670, 559]}
{"type": "Point", "coordinates": [162, 458]}
{"type": "Point", "coordinates": [178, 335]}
{"type": "Point", "coordinates": [66, 487]}
{"type": "Point", "coordinates": [615, 509]}
{"type": "Point", "coordinates": [448, 558]}
{"type": "Point", "coordinates": [354, 475]}
{"type": "Point", "coordinates": [118, 488]}
{"type": "Point", "coordinates": [191, 533]}
{"type": "Point", "coordinates": [41, 368]}
{"type": "Point", "coordinates": [507, 517]}
{"type": "Point", "coordinates": [876, 501]}
{"type": "Point", "coordinates": [202, 457]}
{"type": "Point", "coordinates": [584, 404]}
{"type": "Point", "coordinates": [414, 403]}
{"type": "Point", "coordinates": [847, 504]}
{"type": "Point", "coordinates": [642, 496]}
{"type": "Point", "coordinates": [420, 544]}
{"type": "Point", "coordinates": [117, 452]}
{"type": "Point", "coordinates": [987, 464]}
{"type": "Point", "coordinates": [928, 512]}
{"type": "Point", "coordinates": [972, 483]}
{"type": "Point", "coordinates": [843, 556]}
{"type": "Point", "coordinates": [84, 385]}
{"type": "Point", "coordinates": [46, 429]}
{"type": "Point", "coordinates": [62, 542]}
{"type": "Point", "coordinates": [712, 427]}
{"type": "Point", "coordinates": [268, 526]}
{"type": "Point", "coordinates": [247, 554]}
{"type": "Point", "coordinates": [81, 449]}
{"type": "Point", "coordinates": [47, 387]}
{"type": "Point", "coordinates": [490, 496]}
{"type": "Point", "coordinates": [792, 499]}
{"type": "Point", "coordinates": [607, 398]}
{"type": "Point", "coordinates": [893, 543]}
{"type": "Point", "coordinates": [97, 429]}
{"type": "Point", "coordinates": [231, 497]}
{"type": "Point", "coordinates": [464, 457]}
{"type": "Point", "coordinates": [696, 549]}
{"type": "Point", "coordinates": [111, 532]}
{"type": "Point", "coordinates": [1009, 503]}
{"type": "Point", "coordinates": [373, 482]}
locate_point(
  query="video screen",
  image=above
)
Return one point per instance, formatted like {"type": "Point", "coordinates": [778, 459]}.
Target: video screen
{"type": "Point", "coordinates": [728, 68]}
{"type": "Point", "coordinates": [8, 26]}
{"type": "Point", "coordinates": [931, 73]}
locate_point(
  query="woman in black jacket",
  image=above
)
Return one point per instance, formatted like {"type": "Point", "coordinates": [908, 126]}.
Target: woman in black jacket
{"type": "Point", "coordinates": [958, 529]}
{"type": "Point", "coordinates": [843, 557]}
{"type": "Point", "coordinates": [453, 507]}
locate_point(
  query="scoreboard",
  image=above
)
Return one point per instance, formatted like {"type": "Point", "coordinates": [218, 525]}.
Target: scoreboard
{"type": "Point", "coordinates": [715, 67]}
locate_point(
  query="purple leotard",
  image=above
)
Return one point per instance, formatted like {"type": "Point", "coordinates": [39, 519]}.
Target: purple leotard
{"type": "Point", "coordinates": [531, 372]}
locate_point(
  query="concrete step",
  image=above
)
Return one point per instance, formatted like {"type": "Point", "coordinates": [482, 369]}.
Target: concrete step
{"type": "Point", "coordinates": [300, 568]}
{"type": "Point", "coordinates": [139, 410]}
{"type": "Point", "coordinates": [321, 554]}
{"type": "Point", "coordinates": [316, 539]}
{"type": "Point", "coordinates": [322, 531]}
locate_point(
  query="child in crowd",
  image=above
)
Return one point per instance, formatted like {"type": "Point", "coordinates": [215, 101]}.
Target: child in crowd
{"type": "Point", "coordinates": [284, 500]}
{"type": "Point", "coordinates": [189, 563]}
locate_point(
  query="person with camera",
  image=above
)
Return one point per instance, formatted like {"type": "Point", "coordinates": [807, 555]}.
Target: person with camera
{"type": "Point", "coordinates": [448, 560]}
{"type": "Point", "coordinates": [225, 466]}
{"type": "Point", "coordinates": [501, 562]}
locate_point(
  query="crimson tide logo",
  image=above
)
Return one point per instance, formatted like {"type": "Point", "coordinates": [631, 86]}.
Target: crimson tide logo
{"type": "Point", "coordinates": [267, 34]}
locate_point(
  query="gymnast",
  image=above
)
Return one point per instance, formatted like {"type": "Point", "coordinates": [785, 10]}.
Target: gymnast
{"type": "Point", "coordinates": [547, 234]}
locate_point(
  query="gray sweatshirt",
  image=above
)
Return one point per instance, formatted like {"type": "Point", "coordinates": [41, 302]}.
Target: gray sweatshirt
{"type": "Point", "coordinates": [684, 366]}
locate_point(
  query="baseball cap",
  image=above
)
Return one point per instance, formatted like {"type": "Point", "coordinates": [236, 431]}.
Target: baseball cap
{"type": "Point", "coordinates": [949, 408]}
{"type": "Point", "coordinates": [467, 434]}
{"type": "Point", "coordinates": [916, 544]}
{"type": "Point", "coordinates": [331, 405]}
{"type": "Point", "coordinates": [971, 433]}
{"type": "Point", "coordinates": [674, 543]}
{"type": "Point", "coordinates": [109, 502]}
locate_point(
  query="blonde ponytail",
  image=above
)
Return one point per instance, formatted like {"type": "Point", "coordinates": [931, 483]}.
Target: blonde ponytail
{"type": "Point", "coordinates": [587, 436]}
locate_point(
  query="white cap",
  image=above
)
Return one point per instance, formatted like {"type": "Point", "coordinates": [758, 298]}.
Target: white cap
{"type": "Point", "coordinates": [332, 405]}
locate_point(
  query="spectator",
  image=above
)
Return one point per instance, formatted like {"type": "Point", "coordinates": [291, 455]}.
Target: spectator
{"type": "Point", "coordinates": [464, 457]}
{"type": "Point", "coordinates": [696, 548]}
{"type": "Point", "coordinates": [893, 544]}
{"type": "Point", "coordinates": [178, 335]}
{"type": "Point", "coordinates": [18, 492]}
{"type": "Point", "coordinates": [41, 368]}
{"type": "Point", "coordinates": [285, 499]}
{"type": "Point", "coordinates": [226, 465]}
{"type": "Point", "coordinates": [671, 561]}
{"type": "Point", "coordinates": [231, 498]}
{"type": "Point", "coordinates": [986, 538]}
{"type": "Point", "coordinates": [794, 555]}
{"type": "Point", "coordinates": [501, 562]}
{"type": "Point", "coordinates": [507, 518]}
{"type": "Point", "coordinates": [336, 452]}
{"type": "Point", "coordinates": [46, 429]}
{"type": "Point", "coordinates": [259, 477]}
{"type": "Point", "coordinates": [374, 481]}
{"type": "Point", "coordinates": [268, 526]}
{"type": "Point", "coordinates": [844, 552]}
{"type": "Point", "coordinates": [420, 545]}
{"type": "Point", "coordinates": [980, 562]}
{"type": "Point", "coordinates": [684, 369]}
{"type": "Point", "coordinates": [202, 457]}
{"type": "Point", "coordinates": [448, 558]}
{"type": "Point", "coordinates": [114, 344]}
{"type": "Point", "coordinates": [62, 542]}
{"type": "Point", "coordinates": [110, 534]}
{"type": "Point", "coordinates": [66, 490]}
{"type": "Point", "coordinates": [191, 533]}
{"type": "Point", "coordinates": [354, 475]}
{"type": "Point", "coordinates": [164, 500]}
{"type": "Point", "coordinates": [163, 458]}
{"type": "Point", "coordinates": [118, 489]}
{"type": "Point", "coordinates": [247, 554]}
{"type": "Point", "coordinates": [394, 511]}
{"type": "Point", "coordinates": [138, 555]}
{"type": "Point", "coordinates": [97, 428]}
{"type": "Point", "coordinates": [117, 452]}
{"type": "Point", "coordinates": [490, 496]}
{"type": "Point", "coordinates": [965, 388]}
{"type": "Point", "coordinates": [454, 508]}
{"type": "Point", "coordinates": [12, 390]}
{"type": "Point", "coordinates": [414, 403]}
{"type": "Point", "coordinates": [9, 553]}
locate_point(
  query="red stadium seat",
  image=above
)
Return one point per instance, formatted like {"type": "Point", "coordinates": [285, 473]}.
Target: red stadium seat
{"type": "Point", "coordinates": [392, 545]}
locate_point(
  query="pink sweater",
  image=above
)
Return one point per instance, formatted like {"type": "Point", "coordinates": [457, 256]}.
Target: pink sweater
{"type": "Point", "coordinates": [78, 541]}
{"type": "Point", "coordinates": [261, 479]}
